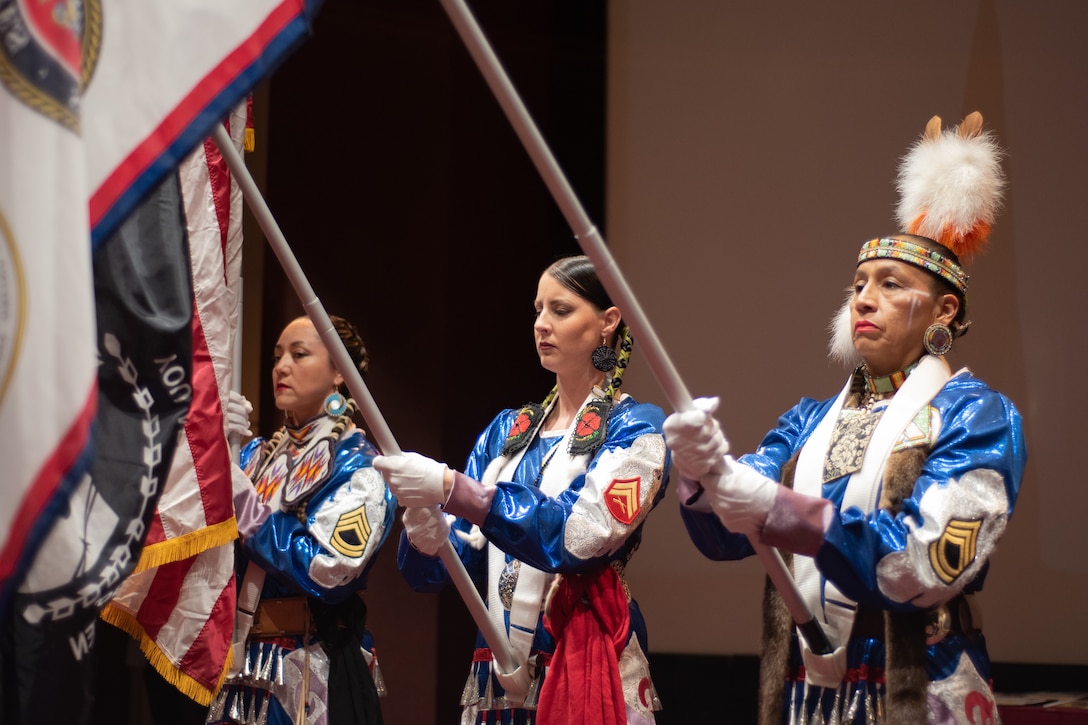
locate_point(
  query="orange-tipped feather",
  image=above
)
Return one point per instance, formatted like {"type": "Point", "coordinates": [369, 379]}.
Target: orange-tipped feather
{"type": "Point", "coordinates": [950, 185]}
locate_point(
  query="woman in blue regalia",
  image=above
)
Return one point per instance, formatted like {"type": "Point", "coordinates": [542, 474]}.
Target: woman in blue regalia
{"type": "Point", "coordinates": [312, 513]}
{"type": "Point", "coordinates": [889, 499]}
{"type": "Point", "coordinates": [545, 516]}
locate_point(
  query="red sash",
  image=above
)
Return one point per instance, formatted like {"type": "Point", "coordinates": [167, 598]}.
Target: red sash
{"type": "Point", "coordinates": [589, 619]}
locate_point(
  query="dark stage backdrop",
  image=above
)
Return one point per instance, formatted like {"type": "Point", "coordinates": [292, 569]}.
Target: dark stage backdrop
{"type": "Point", "coordinates": [410, 203]}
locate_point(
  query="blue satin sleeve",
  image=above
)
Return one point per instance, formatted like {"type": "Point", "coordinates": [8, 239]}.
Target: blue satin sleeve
{"type": "Point", "coordinates": [532, 527]}
{"type": "Point", "coordinates": [329, 550]}
{"type": "Point", "coordinates": [577, 530]}
{"type": "Point", "coordinates": [969, 483]}
{"type": "Point", "coordinates": [712, 539]}
{"type": "Point", "coordinates": [250, 454]}
{"type": "Point", "coordinates": [427, 573]}
{"type": "Point", "coordinates": [705, 529]}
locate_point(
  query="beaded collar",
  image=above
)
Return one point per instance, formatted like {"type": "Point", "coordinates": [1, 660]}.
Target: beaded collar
{"type": "Point", "coordinates": [886, 383]}
{"type": "Point", "coordinates": [301, 434]}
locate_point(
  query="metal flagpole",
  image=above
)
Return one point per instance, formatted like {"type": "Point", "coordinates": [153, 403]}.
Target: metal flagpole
{"type": "Point", "coordinates": [593, 245]}
{"type": "Point", "coordinates": [496, 640]}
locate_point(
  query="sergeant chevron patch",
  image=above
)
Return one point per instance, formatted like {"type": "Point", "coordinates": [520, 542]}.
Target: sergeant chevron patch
{"type": "Point", "coordinates": [351, 533]}
{"type": "Point", "coordinates": [955, 550]}
{"type": "Point", "coordinates": [622, 498]}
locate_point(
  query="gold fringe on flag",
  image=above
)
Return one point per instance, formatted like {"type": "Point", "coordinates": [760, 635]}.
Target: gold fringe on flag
{"type": "Point", "coordinates": [183, 683]}
{"type": "Point", "coordinates": [187, 545]}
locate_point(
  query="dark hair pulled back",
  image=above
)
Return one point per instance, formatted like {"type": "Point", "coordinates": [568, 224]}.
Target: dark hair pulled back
{"type": "Point", "coordinates": [353, 341]}
{"type": "Point", "coordinates": [578, 275]}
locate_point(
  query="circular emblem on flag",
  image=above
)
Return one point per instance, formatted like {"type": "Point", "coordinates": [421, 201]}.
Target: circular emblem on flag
{"type": "Point", "coordinates": [12, 305]}
{"type": "Point", "coordinates": [48, 52]}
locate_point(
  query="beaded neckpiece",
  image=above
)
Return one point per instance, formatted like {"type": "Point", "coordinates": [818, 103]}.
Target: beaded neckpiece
{"type": "Point", "coordinates": [886, 383]}
{"type": "Point", "coordinates": [876, 388]}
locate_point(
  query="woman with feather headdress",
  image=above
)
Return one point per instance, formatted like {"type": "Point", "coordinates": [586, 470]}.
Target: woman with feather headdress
{"type": "Point", "coordinates": [888, 499]}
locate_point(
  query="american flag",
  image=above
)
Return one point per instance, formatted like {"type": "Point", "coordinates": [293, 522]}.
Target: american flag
{"type": "Point", "coordinates": [179, 604]}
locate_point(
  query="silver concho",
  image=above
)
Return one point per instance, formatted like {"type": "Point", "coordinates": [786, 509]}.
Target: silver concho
{"type": "Point", "coordinates": [507, 581]}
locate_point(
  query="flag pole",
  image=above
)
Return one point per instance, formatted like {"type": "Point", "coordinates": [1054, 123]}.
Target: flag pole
{"type": "Point", "coordinates": [593, 245]}
{"type": "Point", "coordinates": [496, 640]}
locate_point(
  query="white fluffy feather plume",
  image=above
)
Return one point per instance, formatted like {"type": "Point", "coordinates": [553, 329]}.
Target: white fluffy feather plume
{"type": "Point", "coordinates": [950, 185]}
{"type": "Point", "coordinates": [841, 341]}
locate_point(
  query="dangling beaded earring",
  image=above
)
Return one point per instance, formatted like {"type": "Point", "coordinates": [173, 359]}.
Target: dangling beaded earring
{"type": "Point", "coordinates": [937, 339]}
{"type": "Point", "coordinates": [604, 357]}
{"type": "Point", "coordinates": [591, 426]}
{"type": "Point", "coordinates": [335, 404]}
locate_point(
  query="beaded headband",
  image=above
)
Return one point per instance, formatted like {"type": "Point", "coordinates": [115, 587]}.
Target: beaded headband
{"type": "Point", "coordinates": [911, 253]}
{"type": "Point", "coordinates": [950, 185]}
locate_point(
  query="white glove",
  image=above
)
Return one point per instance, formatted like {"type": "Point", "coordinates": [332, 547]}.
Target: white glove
{"type": "Point", "coordinates": [473, 537]}
{"type": "Point", "coordinates": [742, 498]}
{"type": "Point", "coordinates": [237, 416]}
{"type": "Point", "coordinates": [414, 479]}
{"type": "Point", "coordinates": [696, 440]}
{"type": "Point", "coordinates": [427, 528]}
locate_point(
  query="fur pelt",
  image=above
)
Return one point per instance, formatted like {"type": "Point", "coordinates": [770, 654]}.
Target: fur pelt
{"type": "Point", "coordinates": [777, 626]}
{"type": "Point", "coordinates": [905, 647]}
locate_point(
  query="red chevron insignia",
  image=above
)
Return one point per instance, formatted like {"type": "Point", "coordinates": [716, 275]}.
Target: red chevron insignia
{"type": "Point", "coordinates": [622, 499]}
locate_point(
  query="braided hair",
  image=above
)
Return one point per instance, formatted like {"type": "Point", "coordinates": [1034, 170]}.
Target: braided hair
{"type": "Point", "coordinates": [353, 341]}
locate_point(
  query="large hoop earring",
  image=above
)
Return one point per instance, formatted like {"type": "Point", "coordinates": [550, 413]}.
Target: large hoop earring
{"type": "Point", "coordinates": [937, 339]}
{"type": "Point", "coordinates": [335, 404]}
{"type": "Point", "coordinates": [604, 357]}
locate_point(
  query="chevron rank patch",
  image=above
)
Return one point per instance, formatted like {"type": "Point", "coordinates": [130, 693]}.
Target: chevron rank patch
{"type": "Point", "coordinates": [951, 554]}
{"type": "Point", "coordinates": [351, 533]}
{"type": "Point", "coordinates": [622, 499]}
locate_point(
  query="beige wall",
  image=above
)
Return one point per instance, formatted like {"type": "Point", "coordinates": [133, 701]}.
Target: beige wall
{"type": "Point", "coordinates": [751, 149]}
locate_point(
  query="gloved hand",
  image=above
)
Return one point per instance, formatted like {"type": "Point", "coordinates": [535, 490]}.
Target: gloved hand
{"type": "Point", "coordinates": [414, 479]}
{"type": "Point", "coordinates": [696, 440]}
{"type": "Point", "coordinates": [427, 528]}
{"type": "Point", "coordinates": [473, 537]}
{"type": "Point", "coordinates": [742, 498]}
{"type": "Point", "coordinates": [237, 416]}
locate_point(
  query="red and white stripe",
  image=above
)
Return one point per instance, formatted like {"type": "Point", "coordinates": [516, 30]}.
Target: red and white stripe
{"type": "Point", "coordinates": [180, 602]}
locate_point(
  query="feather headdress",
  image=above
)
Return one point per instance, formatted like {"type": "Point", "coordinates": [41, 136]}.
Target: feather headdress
{"type": "Point", "coordinates": [950, 186]}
